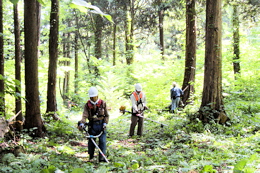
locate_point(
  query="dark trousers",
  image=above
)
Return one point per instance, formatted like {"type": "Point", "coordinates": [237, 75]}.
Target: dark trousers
{"type": "Point", "coordinates": [95, 129]}
{"type": "Point", "coordinates": [134, 120]}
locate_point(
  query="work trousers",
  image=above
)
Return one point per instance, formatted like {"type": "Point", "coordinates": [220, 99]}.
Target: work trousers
{"type": "Point", "coordinates": [175, 103]}
{"type": "Point", "coordinates": [96, 129]}
{"type": "Point", "coordinates": [134, 120]}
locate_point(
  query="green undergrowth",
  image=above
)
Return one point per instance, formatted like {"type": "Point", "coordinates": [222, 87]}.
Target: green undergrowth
{"type": "Point", "coordinates": [182, 144]}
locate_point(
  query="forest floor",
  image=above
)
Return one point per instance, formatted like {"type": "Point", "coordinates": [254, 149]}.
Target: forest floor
{"type": "Point", "coordinates": [182, 146]}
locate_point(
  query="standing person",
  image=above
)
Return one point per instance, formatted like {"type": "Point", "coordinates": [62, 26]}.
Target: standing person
{"type": "Point", "coordinates": [138, 100]}
{"type": "Point", "coordinates": [176, 93]}
{"type": "Point", "coordinates": [95, 112]}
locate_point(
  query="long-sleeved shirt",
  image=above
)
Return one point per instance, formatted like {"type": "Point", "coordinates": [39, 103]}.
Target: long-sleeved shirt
{"type": "Point", "coordinates": [95, 112]}
{"type": "Point", "coordinates": [139, 104]}
{"type": "Point", "coordinates": [178, 92]}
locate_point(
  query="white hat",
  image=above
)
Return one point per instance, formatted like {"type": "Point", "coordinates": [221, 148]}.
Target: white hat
{"type": "Point", "coordinates": [138, 87]}
{"type": "Point", "coordinates": [93, 92]}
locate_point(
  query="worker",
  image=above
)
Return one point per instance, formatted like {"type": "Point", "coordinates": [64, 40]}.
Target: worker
{"type": "Point", "coordinates": [138, 100]}
{"type": "Point", "coordinates": [96, 116]}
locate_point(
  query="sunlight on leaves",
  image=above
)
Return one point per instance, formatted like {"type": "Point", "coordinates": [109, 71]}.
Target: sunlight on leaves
{"type": "Point", "coordinates": [84, 7]}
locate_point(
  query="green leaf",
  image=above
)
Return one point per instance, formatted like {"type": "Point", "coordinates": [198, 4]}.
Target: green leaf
{"type": "Point", "coordinates": [135, 166]}
{"type": "Point", "coordinates": [78, 170]}
{"type": "Point", "coordinates": [41, 2]}
{"type": "Point", "coordinates": [50, 169]}
{"type": "Point", "coordinates": [45, 171]}
{"type": "Point", "coordinates": [119, 164]}
{"type": "Point", "coordinates": [80, 4]}
{"type": "Point", "coordinates": [208, 169]}
{"type": "Point", "coordinates": [80, 8]}
{"type": "Point", "coordinates": [240, 165]}
{"type": "Point", "coordinates": [101, 170]}
{"type": "Point", "coordinates": [14, 1]}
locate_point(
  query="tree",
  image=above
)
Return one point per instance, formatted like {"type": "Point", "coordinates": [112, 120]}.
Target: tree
{"type": "Point", "coordinates": [33, 118]}
{"type": "Point", "coordinates": [212, 106]}
{"type": "Point", "coordinates": [2, 61]}
{"type": "Point", "coordinates": [236, 39]}
{"type": "Point", "coordinates": [129, 30]}
{"type": "Point", "coordinates": [161, 18]}
{"type": "Point", "coordinates": [190, 56]}
{"type": "Point", "coordinates": [76, 75]}
{"type": "Point", "coordinates": [18, 103]}
{"type": "Point", "coordinates": [53, 53]}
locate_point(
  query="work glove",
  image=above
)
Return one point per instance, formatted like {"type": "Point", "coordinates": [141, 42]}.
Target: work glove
{"type": "Point", "coordinates": [104, 126]}
{"type": "Point", "coordinates": [80, 125]}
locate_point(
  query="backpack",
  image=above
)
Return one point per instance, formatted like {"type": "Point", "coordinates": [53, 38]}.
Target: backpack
{"type": "Point", "coordinates": [173, 93]}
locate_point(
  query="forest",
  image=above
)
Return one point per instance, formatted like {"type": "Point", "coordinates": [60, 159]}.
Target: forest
{"type": "Point", "coordinates": [52, 52]}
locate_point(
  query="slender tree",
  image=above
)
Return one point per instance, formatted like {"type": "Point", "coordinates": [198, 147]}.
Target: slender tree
{"type": "Point", "coordinates": [33, 118]}
{"type": "Point", "coordinates": [2, 61]}
{"type": "Point", "coordinates": [114, 44]}
{"type": "Point", "coordinates": [236, 40]}
{"type": "Point", "coordinates": [212, 106]}
{"type": "Point", "coordinates": [161, 33]}
{"type": "Point", "coordinates": [190, 54]}
{"type": "Point", "coordinates": [53, 53]}
{"type": "Point", "coordinates": [18, 102]}
{"type": "Point", "coordinates": [76, 75]}
{"type": "Point", "coordinates": [129, 30]}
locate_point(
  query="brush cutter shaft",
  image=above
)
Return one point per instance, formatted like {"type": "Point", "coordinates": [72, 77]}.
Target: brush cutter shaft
{"type": "Point", "coordinates": [99, 150]}
{"type": "Point", "coordinates": [91, 138]}
{"type": "Point", "coordinates": [139, 115]}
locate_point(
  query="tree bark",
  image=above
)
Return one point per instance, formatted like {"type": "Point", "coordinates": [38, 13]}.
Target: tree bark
{"type": "Point", "coordinates": [212, 106]}
{"type": "Point", "coordinates": [98, 40]}
{"type": "Point", "coordinates": [114, 44]}
{"type": "Point", "coordinates": [33, 115]}
{"type": "Point", "coordinates": [161, 34]}
{"type": "Point", "coordinates": [66, 54]}
{"type": "Point", "coordinates": [190, 55]}
{"type": "Point", "coordinates": [18, 102]}
{"type": "Point", "coordinates": [236, 40]}
{"type": "Point", "coordinates": [76, 80]}
{"type": "Point", "coordinates": [2, 62]}
{"type": "Point", "coordinates": [129, 31]}
{"type": "Point", "coordinates": [53, 60]}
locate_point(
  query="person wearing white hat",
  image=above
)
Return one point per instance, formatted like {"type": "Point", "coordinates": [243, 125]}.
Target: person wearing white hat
{"type": "Point", "coordinates": [95, 111]}
{"type": "Point", "coordinates": [138, 100]}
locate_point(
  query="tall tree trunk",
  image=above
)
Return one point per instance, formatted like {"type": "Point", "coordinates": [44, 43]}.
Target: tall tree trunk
{"type": "Point", "coordinates": [53, 53]}
{"type": "Point", "coordinates": [129, 31]}
{"type": "Point", "coordinates": [2, 62]}
{"type": "Point", "coordinates": [66, 54]}
{"type": "Point", "coordinates": [33, 114]}
{"type": "Point", "coordinates": [98, 40]}
{"type": "Point", "coordinates": [18, 103]}
{"type": "Point", "coordinates": [114, 44]}
{"type": "Point", "coordinates": [76, 76]}
{"type": "Point", "coordinates": [98, 36]}
{"type": "Point", "coordinates": [212, 106]}
{"type": "Point", "coordinates": [67, 73]}
{"type": "Point", "coordinates": [190, 56]}
{"type": "Point", "coordinates": [236, 40]}
{"type": "Point", "coordinates": [161, 34]}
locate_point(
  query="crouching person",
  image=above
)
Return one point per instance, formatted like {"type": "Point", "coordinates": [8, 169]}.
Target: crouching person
{"type": "Point", "coordinates": [96, 114]}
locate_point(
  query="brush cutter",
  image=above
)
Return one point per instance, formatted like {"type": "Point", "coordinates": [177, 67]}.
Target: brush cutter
{"type": "Point", "coordinates": [122, 109]}
{"type": "Point", "coordinates": [91, 138]}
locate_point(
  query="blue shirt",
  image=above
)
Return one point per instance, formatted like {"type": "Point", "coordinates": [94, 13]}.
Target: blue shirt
{"type": "Point", "coordinates": [178, 91]}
